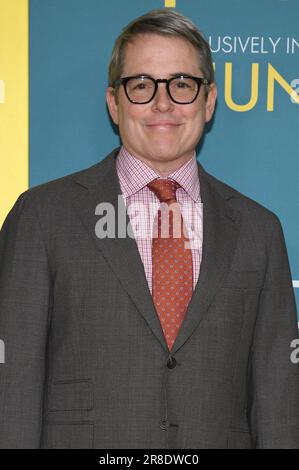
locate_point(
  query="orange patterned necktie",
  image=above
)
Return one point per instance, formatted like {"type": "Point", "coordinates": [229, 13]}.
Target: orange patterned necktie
{"type": "Point", "coordinates": [172, 269]}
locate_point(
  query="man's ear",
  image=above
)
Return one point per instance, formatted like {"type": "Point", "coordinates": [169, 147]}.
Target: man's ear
{"type": "Point", "coordinates": [112, 104]}
{"type": "Point", "coordinates": [211, 101]}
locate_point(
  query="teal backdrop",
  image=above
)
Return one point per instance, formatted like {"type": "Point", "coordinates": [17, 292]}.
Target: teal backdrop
{"type": "Point", "coordinates": [254, 148]}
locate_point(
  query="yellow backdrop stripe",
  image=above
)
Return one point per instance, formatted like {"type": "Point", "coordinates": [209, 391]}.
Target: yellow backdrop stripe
{"type": "Point", "coordinates": [14, 171]}
{"type": "Point", "coordinates": [170, 3]}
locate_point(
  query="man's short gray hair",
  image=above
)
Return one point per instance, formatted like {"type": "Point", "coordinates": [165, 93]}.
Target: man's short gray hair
{"type": "Point", "coordinates": [165, 22]}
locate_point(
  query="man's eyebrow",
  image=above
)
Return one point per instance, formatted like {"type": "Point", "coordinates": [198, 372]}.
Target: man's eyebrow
{"type": "Point", "coordinates": [140, 74]}
{"type": "Point", "coordinates": [170, 75]}
{"type": "Point", "coordinates": [179, 73]}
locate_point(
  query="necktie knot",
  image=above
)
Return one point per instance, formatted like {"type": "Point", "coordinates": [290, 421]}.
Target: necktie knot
{"type": "Point", "coordinates": [164, 189]}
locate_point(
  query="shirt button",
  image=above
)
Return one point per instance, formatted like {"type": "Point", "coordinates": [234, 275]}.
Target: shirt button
{"type": "Point", "coordinates": [171, 362]}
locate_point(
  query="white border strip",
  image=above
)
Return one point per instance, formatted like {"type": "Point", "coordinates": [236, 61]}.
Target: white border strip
{"type": "Point", "coordinates": [296, 284]}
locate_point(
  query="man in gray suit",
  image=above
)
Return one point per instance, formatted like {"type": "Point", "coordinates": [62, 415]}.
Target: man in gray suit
{"type": "Point", "coordinates": [120, 340]}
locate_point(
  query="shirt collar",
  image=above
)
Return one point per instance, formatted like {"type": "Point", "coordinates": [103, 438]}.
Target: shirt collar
{"type": "Point", "coordinates": [134, 175]}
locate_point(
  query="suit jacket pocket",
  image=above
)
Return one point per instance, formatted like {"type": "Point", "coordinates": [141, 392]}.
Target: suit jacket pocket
{"type": "Point", "coordinates": [71, 395]}
{"type": "Point", "coordinates": [239, 439]}
{"type": "Point", "coordinates": [244, 279]}
{"type": "Point", "coordinates": [67, 436]}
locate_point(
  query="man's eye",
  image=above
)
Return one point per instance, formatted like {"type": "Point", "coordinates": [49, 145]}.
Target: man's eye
{"type": "Point", "coordinates": [182, 85]}
{"type": "Point", "coordinates": [140, 86]}
{"type": "Point", "coordinates": [144, 85]}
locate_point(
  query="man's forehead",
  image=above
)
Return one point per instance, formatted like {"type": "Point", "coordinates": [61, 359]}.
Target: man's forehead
{"type": "Point", "coordinates": [147, 40]}
{"type": "Point", "coordinates": [150, 49]}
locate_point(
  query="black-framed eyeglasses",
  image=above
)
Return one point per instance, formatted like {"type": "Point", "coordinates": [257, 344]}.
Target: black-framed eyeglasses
{"type": "Point", "coordinates": [141, 89]}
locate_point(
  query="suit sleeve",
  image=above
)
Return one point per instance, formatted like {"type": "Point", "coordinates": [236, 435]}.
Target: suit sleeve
{"type": "Point", "coordinates": [274, 377]}
{"type": "Point", "coordinates": [25, 293]}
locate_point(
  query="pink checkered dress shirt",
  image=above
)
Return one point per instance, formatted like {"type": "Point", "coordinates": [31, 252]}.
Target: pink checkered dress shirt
{"type": "Point", "coordinates": [142, 205]}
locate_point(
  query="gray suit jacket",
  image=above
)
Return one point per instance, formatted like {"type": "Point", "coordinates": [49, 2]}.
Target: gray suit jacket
{"type": "Point", "coordinates": [86, 362]}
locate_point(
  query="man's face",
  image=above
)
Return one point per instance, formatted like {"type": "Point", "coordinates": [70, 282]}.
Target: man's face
{"type": "Point", "coordinates": [161, 133]}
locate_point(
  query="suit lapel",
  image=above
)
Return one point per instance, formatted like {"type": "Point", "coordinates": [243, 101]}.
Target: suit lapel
{"type": "Point", "coordinates": [221, 226]}
{"type": "Point", "coordinates": [220, 232]}
{"type": "Point", "coordinates": [121, 254]}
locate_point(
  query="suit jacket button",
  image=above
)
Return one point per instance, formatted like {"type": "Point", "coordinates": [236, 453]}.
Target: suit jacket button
{"type": "Point", "coordinates": [163, 425]}
{"type": "Point", "coordinates": [171, 362]}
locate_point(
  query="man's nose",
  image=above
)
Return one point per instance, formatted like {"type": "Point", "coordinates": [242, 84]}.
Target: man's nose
{"type": "Point", "coordinates": [162, 100]}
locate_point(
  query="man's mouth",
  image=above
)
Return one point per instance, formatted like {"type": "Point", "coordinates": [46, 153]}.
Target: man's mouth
{"type": "Point", "coordinates": [163, 124]}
